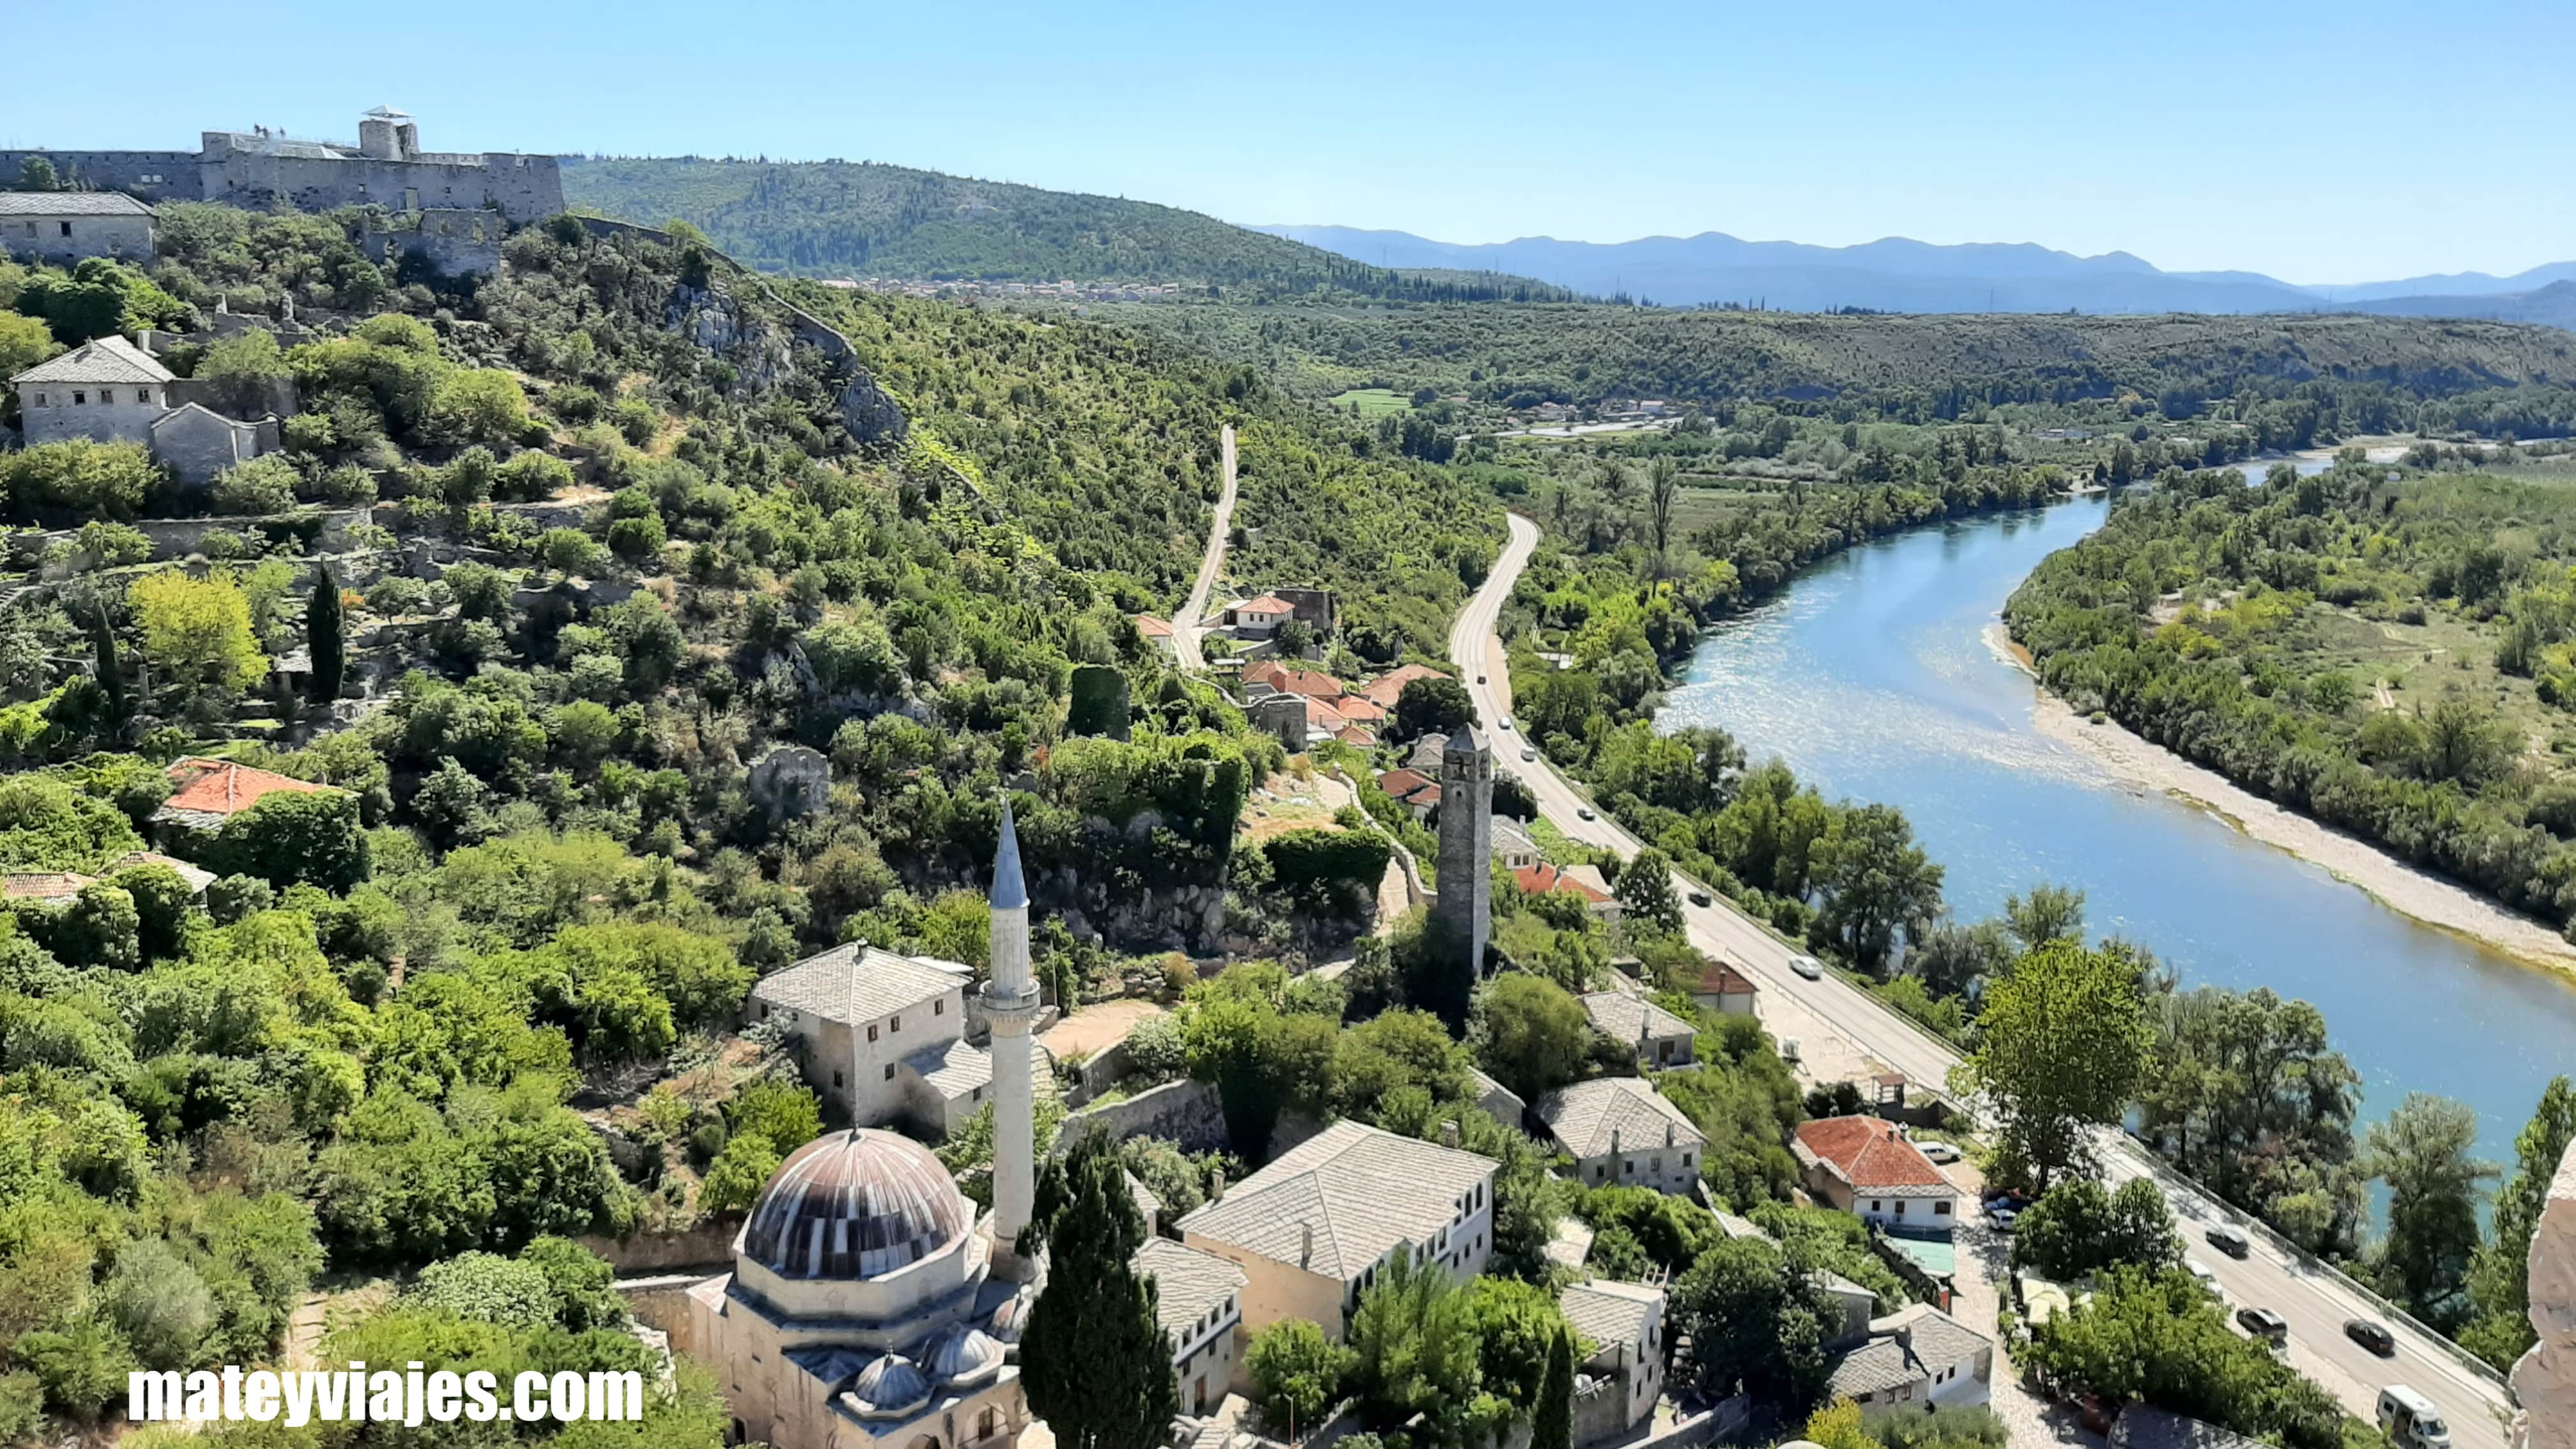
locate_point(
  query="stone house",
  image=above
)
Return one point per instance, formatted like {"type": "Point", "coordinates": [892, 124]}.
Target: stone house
{"type": "Point", "coordinates": [1625, 1323]}
{"type": "Point", "coordinates": [64, 227]}
{"type": "Point", "coordinates": [1259, 618]}
{"type": "Point", "coordinates": [1622, 1133]}
{"type": "Point", "coordinates": [1200, 1307]}
{"type": "Point", "coordinates": [1919, 1355]}
{"type": "Point", "coordinates": [205, 793]}
{"type": "Point", "coordinates": [1723, 989]}
{"type": "Point", "coordinates": [1865, 1166]}
{"type": "Point", "coordinates": [1159, 634]}
{"type": "Point", "coordinates": [1583, 880]}
{"type": "Point", "coordinates": [1514, 851]}
{"type": "Point", "coordinates": [110, 390]}
{"type": "Point", "coordinates": [882, 1033]}
{"type": "Point", "coordinates": [1387, 688]}
{"type": "Point", "coordinates": [1661, 1038]}
{"type": "Point", "coordinates": [1314, 1228]}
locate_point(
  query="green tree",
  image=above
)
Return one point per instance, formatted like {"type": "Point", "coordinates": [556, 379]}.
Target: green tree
{"type": "Point", "coordinates": [36, 173]}
{"type": "Point", "coordinates": [1531, 1034]}
{"type": "Point", "coordinates": [2062, 1045]}
{"type": "Point", "coordinates": [1645, 891]}
{"type": "Point", "coordinates": [1875, 882]}
{"type": "Point", "coordinates": [1094, 1360]}
{"type": "Point", "coordinates": [1433, 704]}
{"type": "Point", "coordinates": [2048, 913]}
{"type": "Point", "coordinates": [198, 631]}
{"type": "Point", "coordinates": [1663, 491]}
{"type": "Point", "coordinates": [2078, 1229]}
{"type": "Point", "coordinates": [1296, 1373]}
{"type": "Point", "coordinates": [1757, 1322]}
{"type": "Point", "coordinates": [296, 835]}
{"type": "Point", "coordinates": [325, 637]}
{"type": "Point", "coordinates": [2422, 1151]}
{"type": "Point", "coordinates": [2500, 1274]}
{"type": "Point", "coordinates": [1552, 1421]}
{"type": "Point", "coordinates": [1416, 1345]}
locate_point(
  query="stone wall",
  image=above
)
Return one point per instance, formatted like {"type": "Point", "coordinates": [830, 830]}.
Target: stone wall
{"type": "Point", "coordinates": [520, 188]}
{"type": "Point", "coordinates": [453, 241]}
{"type": "Point", "coordinates": [1186, 1112]}
{"type": "Point", "coordinates": [2545, 1379]}
{"type": "Point", "coordinates": [64, 240]}
{"type": "Point", "coordinates": [150, 175]}
{"type": "Point", "coordinates": [661, 1301]}
{"type": "Point", "coordinates": [705, 1246]}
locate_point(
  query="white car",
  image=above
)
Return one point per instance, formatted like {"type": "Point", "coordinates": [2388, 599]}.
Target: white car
{"type": "Point", "coordinates": [1938, 1151]}
{"type": "Point", "coordinates": [2201, 1275]}
{"type": "Point", "coordinates": [1528, 754]}
{"type": "Point", "coordinates": [1808, 966]}
{"type": "Point", "coordinates": [1505, 721]}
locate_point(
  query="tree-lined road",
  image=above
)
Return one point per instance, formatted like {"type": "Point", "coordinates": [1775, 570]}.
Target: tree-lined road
{"type": "Point", "coordinates": [2315, 1300]}
{"type": "Point", "coordinates": [1185, 626]}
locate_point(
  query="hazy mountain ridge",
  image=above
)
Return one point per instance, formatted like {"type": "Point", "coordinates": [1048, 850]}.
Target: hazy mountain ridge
{"type": "Point", "coordinates": [1903, 275]}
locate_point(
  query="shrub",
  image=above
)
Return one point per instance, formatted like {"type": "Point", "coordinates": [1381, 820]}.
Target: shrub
{"type": "Point", "coordinates": [1296, 1372]}
{"type": "Point", "coordinates": [262, 485]}
{"type": "Point", "coordinates": [77, 479]}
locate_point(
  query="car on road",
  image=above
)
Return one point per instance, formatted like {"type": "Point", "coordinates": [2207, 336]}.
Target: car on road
{"type": "Point", "coordinates": [2264, 1324]}
{"type": "Point", "coordinates": [1699, 898]}
{"type": "Point", "coordinates": [2409, 1418]}
{"type": "Point", "coordinates": [1480, 679]}
{"type": "Point", "coordinates": [2229, 1239]}
{"type": "Point", "coordinates": [2371, 1335]}
{"type": "Point", "coordinates": [1937, 1151]}
{"type": "Point", "coordinates": [1528, 753]}
{"type": "Point", "coordinates": [2201, 1274]}
{"type": "Point", "coordinates": [1584, 812]}
{"type": "Point", "coordinates": [1505, 721]}
{"type": "Point", "coordinates": [1808, 966]}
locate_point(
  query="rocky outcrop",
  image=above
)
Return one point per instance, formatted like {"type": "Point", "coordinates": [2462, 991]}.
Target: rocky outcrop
{"type": "Point", "coordinates": [791, 780]}
{"type": "Point", "coordinates": [2545, 1379]}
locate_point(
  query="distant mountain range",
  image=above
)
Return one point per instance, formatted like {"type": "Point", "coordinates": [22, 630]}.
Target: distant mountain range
{"type": "Point", "coordinates": [1898, 275]}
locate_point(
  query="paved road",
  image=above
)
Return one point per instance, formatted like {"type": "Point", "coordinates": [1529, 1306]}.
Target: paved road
{"type": "Point", "coordinates": [2315, 1302]}
{"type": "Point", "coordinates": [1185, 625]}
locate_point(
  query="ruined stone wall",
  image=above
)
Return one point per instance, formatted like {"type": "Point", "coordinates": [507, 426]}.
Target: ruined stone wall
{"type": "Point", "coordinates": [454, 241]}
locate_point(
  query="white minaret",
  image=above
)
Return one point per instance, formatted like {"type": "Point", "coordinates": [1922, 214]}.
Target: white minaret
{"type": "Point", "coordinates": [1011, 1004]}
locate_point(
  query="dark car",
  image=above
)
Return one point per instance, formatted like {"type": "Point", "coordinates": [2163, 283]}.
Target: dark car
{"type": "Point", "coordinates": [2372, 1336]}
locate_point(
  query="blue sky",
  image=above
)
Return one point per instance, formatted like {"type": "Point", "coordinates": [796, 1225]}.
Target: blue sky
{"type": "Point", "coordinates": [2320, 142]}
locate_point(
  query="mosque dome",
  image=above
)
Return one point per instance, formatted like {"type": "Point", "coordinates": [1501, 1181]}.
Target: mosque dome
{"type": "Point", "coordinates": [1010, 1318]}
{"type": "Point", "coordinates": [855, 1205]}
{"type": "Point", "coordinates": [959, 1356]}
{"type": "Point", "coordinates": [890, 1388]}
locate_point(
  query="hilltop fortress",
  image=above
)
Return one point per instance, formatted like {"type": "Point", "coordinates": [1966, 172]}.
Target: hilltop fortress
{"type": "Point", "coordinates": [261, 167]}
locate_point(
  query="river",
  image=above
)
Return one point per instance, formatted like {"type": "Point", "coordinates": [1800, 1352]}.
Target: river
{"type": "Point", "coordinates": [1871, 675]}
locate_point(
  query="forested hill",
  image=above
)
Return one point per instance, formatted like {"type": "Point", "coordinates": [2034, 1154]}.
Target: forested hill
{"type": "Point", "coordinates": [835, 218]}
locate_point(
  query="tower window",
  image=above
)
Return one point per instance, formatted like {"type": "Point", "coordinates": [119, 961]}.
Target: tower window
{"type": "Point", "coordinates": [836, 1079]}
{"type": "Point", "coordinates": [889, 1071]}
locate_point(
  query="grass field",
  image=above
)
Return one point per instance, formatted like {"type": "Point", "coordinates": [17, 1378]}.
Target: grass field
{"type": "Point", "coordinates": [1374, 402]}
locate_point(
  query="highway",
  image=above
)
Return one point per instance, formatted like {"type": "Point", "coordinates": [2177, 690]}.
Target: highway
{"type": "Point", "coordinates": [1186, 624]}
{"type": "Point", "coordinates": [2315, 1300]}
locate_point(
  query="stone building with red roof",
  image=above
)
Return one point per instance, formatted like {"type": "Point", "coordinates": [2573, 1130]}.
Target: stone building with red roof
{"type": "Point", "coordinates": [1865, 1166]}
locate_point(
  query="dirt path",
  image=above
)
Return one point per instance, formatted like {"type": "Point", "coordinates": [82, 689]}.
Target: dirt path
{"type": "Point", "coordinates": [1185, 627]}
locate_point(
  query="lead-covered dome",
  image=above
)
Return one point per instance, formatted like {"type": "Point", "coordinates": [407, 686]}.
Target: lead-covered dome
{"type": "Point", "coordinates": [890, 1388]}
{"type": "Point", "coordinates": [855, 1205]}
{"type": "Point", "coordinates": [959, 1356]}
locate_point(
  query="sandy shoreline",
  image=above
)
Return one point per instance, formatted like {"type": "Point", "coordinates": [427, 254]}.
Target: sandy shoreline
{"type": "Point", "coordinates": [2403, 888]}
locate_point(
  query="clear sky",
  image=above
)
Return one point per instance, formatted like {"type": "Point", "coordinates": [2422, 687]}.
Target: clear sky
{"type": "Point", "coordinates": [2317, 140]}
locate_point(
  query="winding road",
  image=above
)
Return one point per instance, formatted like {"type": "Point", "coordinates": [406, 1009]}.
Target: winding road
{"type": "Point", "coordinates": [1186, 626]}
{"type": "Point", "coordinates": [2315, 1299]}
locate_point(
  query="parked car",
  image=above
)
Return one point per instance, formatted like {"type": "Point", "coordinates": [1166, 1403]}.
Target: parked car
{"type": "Point", "coordinates": [2229, 1239]}
{"type": "Point", "coordinates": [2264, 1324]}
{"type": "Point", "coordinates": [1938, 1151]}
{"type": "Point", "coordinates": [1808, 966]}
{"type": "Point", "coordinates": [2201, 1275]}
{"type": "Point", "coordinates": [2002, 1217]}
{"type": "Point", "coordinates": [1699, 898]}
{"type": "Point", "coordinates": [2372, 1336]}
{"type": "Point", "coordinates": [2410, 1419]}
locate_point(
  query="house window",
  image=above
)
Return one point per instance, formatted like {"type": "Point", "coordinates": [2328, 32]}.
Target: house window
{"type": "Point", "coordinates": [894, 1023]}
{"type": "Point", "coordinates": [1940, 1209]}
{"type": "Point", "coordinates": [1686, 1160]}
{"type": "Point", "coordinates": [1627, 1167]}
{"type": "Point", "coordinates": [1875, 1206]}
{"type": "Point", "coordinates": [1655, 1164]}
{"type": "Point", "coordinates": [872, 1031]}
{"type": "Point", "coordinates": [80, 399]}
{"type": "Point", "coordinates": [40, 399]}
{"type": "Point", "coordinates": [976, 1096]}
{"type": "Point", "coordinates": [67, 228]}
{"type": "Point", "coordinates": [1900, 1207]}
{"type": "Point", "coordinates": [939, 1008]}
{"type": "Point", "coordinates": [836, 1079]}
{"type": "Point", "coordinates": [889, 1071]}
{"type": "Point", "coordinates": [764, 1011]}
{"type": "Point", "coordinates": [1601, 1172]}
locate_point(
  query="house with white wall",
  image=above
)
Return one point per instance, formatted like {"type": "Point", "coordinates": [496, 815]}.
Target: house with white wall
{"type": "Point", "coordinates": [885, 1035]}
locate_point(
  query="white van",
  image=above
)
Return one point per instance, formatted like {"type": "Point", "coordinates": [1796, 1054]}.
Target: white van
{"type": "Point", "coordinates": [2409, 1418]}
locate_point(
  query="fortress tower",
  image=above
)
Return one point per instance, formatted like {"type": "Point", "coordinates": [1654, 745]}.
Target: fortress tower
{"type": "Point", "coordinates": [1467, 843]}
{"type": "Point", "coordinates": [1011, 1005]}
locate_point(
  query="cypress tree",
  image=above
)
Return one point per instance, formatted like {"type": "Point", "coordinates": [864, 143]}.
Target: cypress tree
{"type": "Point", "coordinates": [1093, 1359]}
{"type": "Point", "coordinates": [323, 639]}
{"type": "Point", "coordinates": [1552, 1417]}
{"type": "Point", "coordinates": [111, 674]}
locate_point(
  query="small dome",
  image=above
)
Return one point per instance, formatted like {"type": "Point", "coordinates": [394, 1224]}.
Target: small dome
{"type": "Point", "coordinates": [959, 1357]}
{"type": "Point", "coordinates": [858, 1204]}
{"type": "Point", "coordinates": [890, 1388]}
{"type": "Point", "coordinates": [1010, 1318]}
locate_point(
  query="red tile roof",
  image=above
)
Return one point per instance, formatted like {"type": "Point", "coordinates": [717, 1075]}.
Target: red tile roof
{"type": "Point", "coordinates": [1312, 683]}
{"type": "Point", "coordinates": [1361, 708]}
{"type": "Point", "coordinates": [1403, 784]}
{"type": "Point", "coordinates": [1266, 604]}
{"type": "Point", "coordinates": [1387, 687]}
{"type": "Point", "coordinates": [1356, 737]}
{"type": "Point", "coordinates": [1870, 1153]}
{"type": "Point", "coordinates": [1539, 879]}
{"type": "Point", "coordinates": [55, 885]}
{"type": "Point", "coordinates": [218, 787]}
{"type": "Point", "coordinates": [1720, 979]}
{"type": "Point", "coordinates": [1152, 628]}
{"type": "Point", "coordinates": [1320, 715]}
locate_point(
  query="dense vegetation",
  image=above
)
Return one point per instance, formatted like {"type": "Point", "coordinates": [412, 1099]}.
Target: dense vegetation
{"type": "Point", "coordinates": [842, 218]}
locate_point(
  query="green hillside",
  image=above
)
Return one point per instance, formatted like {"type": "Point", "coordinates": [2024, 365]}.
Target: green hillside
{"type": "Point", "coordinates": [835, 218]}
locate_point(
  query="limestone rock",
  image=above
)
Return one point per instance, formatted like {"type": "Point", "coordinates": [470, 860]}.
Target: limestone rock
{"type": "Point", "coordinates": [791, 780]}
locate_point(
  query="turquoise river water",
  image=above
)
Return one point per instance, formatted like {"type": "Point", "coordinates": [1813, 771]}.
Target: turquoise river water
{"type": "Point", "coordinates": [1873, 677]}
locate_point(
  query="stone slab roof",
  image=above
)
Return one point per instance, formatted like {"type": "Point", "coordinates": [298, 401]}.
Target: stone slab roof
{"type": "Point", "coordinates": [856, 982]}
{"type": "Point", "coordinates": [70, 203]}
{"type": "Point", "coordinates": [1872, 1156]}
{"type": "Point", "coordinates": [1583, 1118]}
{"type": "Point", "coordinates": [1905, 1348]}
{"type": "Point", "coordinates": [1623, 1018]}
{"type": "Point", "coordinates": [1193, 1283]}
{"type": "Point", "coordinates": [1609, 1312]}
{"type": "Point", "coordinates": [2141, 1426]}
{"type": "Point", "coordinates": [106, 360]}
{"type": "Point", "coordinates": [197, 877]}
{"type": "Point", "coordinates": [953, 1069]}
{"type": "Point", "coordinates": [1361, 1189]}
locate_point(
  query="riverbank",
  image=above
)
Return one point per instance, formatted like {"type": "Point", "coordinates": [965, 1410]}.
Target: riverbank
{"type": "Point", "coordinates": [2413, 892]}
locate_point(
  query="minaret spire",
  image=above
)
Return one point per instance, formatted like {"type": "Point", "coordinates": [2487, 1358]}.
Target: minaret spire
{"type": "Point", "coordinates": [1011, 1004]}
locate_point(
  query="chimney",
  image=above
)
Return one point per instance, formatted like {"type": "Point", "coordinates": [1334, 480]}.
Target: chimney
{"type": "Point", "coordinates": [1306, 1247]}
{"type": "Point", "coordinates": [1668, 1134]}
{"type": "Point", "coordinates": [1216, 1182]}
{"type": "Point", "coordinates": [1614, 1142]}
{"type": "Point", "coordinates": [1449, 1133]}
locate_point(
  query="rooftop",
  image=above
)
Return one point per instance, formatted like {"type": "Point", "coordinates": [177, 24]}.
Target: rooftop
{"type": "Point", "coordinates": [1905, 1348]}
{"type": "Point", "coordinates": [1625, 1018]}
{"type": "Point", "coordinates": [1388, 686]}
{"type": "Point", "coordinates": [1361, 1189]}
{"type": "Point", "coordinates": [1266, 604]}
{"type": "Point", "coordinates": [858, 982]}
{"type": "Point", "coordinates": [42, 885]}
{"type": "Point", "coordinates": [109, 359]}
{"type": "Point", "coordinates": [1872, 1155]}
{"type": "Point", "coordinates": [2143, 1427]}
{"type": "Point", "coordinates": [952, 1069]}
{"type": "Point", "coordinates": [1716, 978]}
{"type": "Point", "coordinates": [1542, 878]}
{"type": "Point", "coordinates": [70, 203]}
{"type": "Point", "coordinates": [212, 791]}
{"type": "Point", "coordinates": [1586, 1118]}
{"type": "Point", "coordinates": [1152, 628]}
{"type": "Point", "coordinates": [1193, 1283]}
{"type": "Point", "coordinates": [197, 877]}
{"type": "Point", "coordinates": [1608, 1312]}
